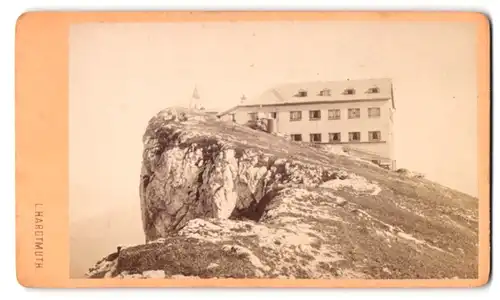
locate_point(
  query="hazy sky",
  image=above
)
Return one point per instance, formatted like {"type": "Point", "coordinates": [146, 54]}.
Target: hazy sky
{"type": "Point", "coordinates": [122, 74]}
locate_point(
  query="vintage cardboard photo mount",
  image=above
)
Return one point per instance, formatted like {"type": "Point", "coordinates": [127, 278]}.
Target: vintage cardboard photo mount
{"type": "Point", "coordinates": [42, 238]}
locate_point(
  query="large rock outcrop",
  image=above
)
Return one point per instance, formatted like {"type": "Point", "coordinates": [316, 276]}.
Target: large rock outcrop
{"type": "Point", "coordinates": [224, 200]}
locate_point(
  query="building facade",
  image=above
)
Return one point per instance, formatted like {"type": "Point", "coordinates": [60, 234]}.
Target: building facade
{"type": "Point", "coordinates": [357, 114]}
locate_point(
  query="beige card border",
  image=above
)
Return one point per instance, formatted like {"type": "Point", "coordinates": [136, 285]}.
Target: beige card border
{"type": "Point", "coordinates": [42, 143]}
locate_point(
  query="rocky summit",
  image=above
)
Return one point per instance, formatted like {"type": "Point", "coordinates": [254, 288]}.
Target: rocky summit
{"type": "Point", "coordinates": [221, 200]}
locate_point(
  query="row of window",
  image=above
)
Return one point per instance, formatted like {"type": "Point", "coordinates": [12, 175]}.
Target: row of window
{"type": "Point", "coordinates": [327, 92]}
{"type": "Point", "coordinates": [333, 114]}
{"type": "Point", "coordinates": [335, 137]}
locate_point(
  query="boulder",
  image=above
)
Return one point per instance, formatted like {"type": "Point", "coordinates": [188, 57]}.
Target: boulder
{"type": "Point", "coordinates": [222, 200]}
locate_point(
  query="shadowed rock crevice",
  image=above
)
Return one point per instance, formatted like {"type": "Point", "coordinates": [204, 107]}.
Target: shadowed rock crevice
{"type": "Point", "coordinates": [256, 208]}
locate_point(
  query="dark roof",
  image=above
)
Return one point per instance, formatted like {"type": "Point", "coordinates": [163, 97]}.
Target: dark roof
{"type": "Point", "coordinates": [336, 92]}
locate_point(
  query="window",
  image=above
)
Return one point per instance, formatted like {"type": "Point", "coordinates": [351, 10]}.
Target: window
{"type": "Point", "coordinates": [233, 117]}
{"type": "Point", "coordinates": [334, 137]}
{"type": "Point", "coordinates": [373, 90]}
{"type": "Point", "coordinates": [373, 112]}
{"type": "Point", "coordinates": [296, 137]}
{"type": "Point", "coordinates": [334, 114]}
{"type": "Point", "coordinates": [354, 113]}
{"type": "Point", "coordinates": [354, 136]}
{"type": "Point", "coordinates": [374, 136]}
{"type": "Point", "coordinates": [252, 116]}
{"type": "Point", "coordinates": [314, 114]}
{"type": "Point", "coordinates": [273, 115]}
{"type": "Point", "coordinates": [315, 137]}
{"type": "Point", "coordinates": [325, 92]}
{"type": "Point", "coordinates": [295, 115]}
{"type": "Point", "coordinates": [349, 92]}
{"type": "Point", "coordinates": [302, 93]}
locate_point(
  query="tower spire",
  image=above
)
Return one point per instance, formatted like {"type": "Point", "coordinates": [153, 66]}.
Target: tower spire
{"type": "Point", "coordinates": [195, 99]}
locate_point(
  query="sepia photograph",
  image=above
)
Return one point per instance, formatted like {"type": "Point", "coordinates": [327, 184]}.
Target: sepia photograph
{"type": "Point", "coordinates": [273, 149]}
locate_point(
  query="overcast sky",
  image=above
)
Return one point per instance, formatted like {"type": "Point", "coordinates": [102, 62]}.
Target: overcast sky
{"type": "Point", "coordinates": [122, 74]}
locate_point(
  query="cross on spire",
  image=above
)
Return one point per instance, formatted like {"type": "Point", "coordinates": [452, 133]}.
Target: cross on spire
{"type": "Point", "coordinates": [243, 98]}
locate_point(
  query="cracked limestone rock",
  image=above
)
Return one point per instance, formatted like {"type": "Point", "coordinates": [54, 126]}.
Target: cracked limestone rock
{"type": "Point", "coordinates": [220, 200]}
